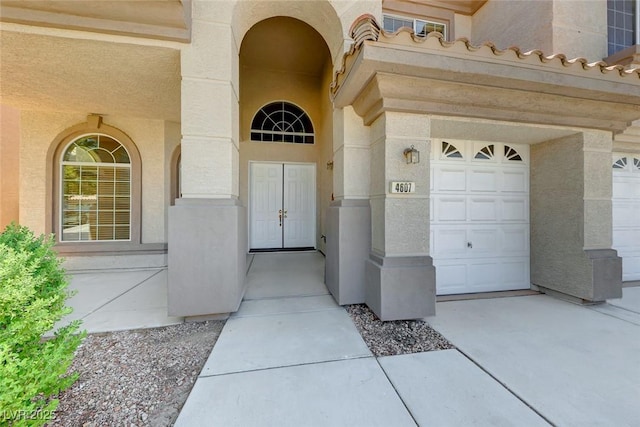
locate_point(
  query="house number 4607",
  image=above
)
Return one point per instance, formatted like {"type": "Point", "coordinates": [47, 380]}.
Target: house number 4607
{"type": "Point", "coordinates": [403, 187]}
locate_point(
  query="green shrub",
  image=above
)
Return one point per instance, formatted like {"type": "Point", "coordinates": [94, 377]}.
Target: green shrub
{"type": "Point", "coordinates": [33, 291]}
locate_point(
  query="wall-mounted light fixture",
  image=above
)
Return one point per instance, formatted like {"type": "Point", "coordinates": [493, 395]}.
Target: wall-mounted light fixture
{"type": "Point", "coordinates": [330, 165]}
{"type": "Point", "coordinates": [412, 155]}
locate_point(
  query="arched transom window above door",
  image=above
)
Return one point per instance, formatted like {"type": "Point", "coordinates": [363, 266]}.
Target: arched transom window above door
{"type": "Point", "coordinates": [282, 121]}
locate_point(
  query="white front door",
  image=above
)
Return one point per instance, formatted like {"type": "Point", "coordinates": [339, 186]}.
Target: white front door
{"type": "Point", "coordinates": [626, 213]}
{"type": "Point", "coordinates": [480, 216]}
{"type": "Point", "coordinates": [282, 212]}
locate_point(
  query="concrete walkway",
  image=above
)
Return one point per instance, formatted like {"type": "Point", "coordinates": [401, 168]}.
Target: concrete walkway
{"type": "Point", "coordinates": [115, 300]}
{"type": "Point", "coordinates": [291, 357]}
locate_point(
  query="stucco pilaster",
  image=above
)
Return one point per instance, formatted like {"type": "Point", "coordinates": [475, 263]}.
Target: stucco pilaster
{"type": "Point", "coordinates": [351, 156]}
{"type": "Point", "coordinates": [400, 221]}
{"type": "Point", "coordinates": [571, 217]}
{"type": "Point", "coordinates": [400, 272]}
{"type": "Point", "coordinates": [597, 190]}
{"type": "Point", "coordinates": [207, 226]}
{"type": "Point", "coordinates": [209, 107]}
{"type": "Point", "coordinates": [349, 216]}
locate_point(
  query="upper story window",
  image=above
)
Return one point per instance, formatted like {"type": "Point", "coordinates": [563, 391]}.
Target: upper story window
{"type": "Point", "coordinates": [622, 24]}
{"type": "Point", "coordinates": [421, 27]}
{"type": "Point", "coordinates": [282, 121]}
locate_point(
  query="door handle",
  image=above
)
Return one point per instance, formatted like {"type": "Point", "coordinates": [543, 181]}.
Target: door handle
{"type": "Point", "coordinates": [470, 245]}
{"type": "Point", "coordinates": [280, 217]}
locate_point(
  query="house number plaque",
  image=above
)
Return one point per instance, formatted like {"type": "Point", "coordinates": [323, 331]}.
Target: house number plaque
{"type": "Point", "coordinates": [403, 187]}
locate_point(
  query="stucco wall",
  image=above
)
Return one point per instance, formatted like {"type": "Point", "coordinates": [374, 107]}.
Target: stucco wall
{"type": "Point", "coordinates": [462, 25]}
{"type": "Point", "coordinates": [580, 29]}
{"type": "Point", "coordinates": [574, 28]}
{"type": "Point", "coordinates": [526, 24]}
{"type": "Point", "coordinates": [171, 142]}
{"type": "Point", "coordinates": [9, 165]}
{"type": "Point", "coordinates": [39, 129]}
{"type": "Point", "coordinates": [325, 174]}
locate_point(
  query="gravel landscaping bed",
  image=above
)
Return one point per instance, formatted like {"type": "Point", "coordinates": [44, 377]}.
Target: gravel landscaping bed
{"type": "Point", "coordinates": [136, 378]}
{"type": "Point", "coordinates": [396, 337]}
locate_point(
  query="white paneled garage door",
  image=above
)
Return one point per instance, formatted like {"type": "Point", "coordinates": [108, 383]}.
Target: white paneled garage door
{"type": "Point", "coordinates": [626, 213]}
{"type": "Point", "coordinates": [480, 216]}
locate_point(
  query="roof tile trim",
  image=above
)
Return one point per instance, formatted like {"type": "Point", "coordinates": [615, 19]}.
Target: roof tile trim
{"type": "Point", "coordinates": [366, 28]}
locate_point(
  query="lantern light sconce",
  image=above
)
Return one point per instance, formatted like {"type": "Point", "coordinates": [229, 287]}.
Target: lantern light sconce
{"type": "Point", "coordinates": [412, 155]}
{"type": "Point", "coordinates": [330, 165]}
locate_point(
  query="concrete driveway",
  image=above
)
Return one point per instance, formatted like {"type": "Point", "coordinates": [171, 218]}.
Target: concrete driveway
{"type": "Point", "coordinates": [573, 365]}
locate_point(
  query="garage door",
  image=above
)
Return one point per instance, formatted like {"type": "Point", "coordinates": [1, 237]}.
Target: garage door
{"type": "Point", "coordinates": [480, 216]}
{"type": "Point", "coordinates": [626, 213]}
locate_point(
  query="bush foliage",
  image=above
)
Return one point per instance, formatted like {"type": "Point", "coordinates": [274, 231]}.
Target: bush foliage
{"type": "Point", "coordinates": [33, 292]}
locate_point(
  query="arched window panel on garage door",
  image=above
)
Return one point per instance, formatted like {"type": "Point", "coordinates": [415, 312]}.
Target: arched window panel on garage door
{"type": "Point", "coordinates": [620, 163]}
{"type": "Point", "coordinates": [485, 153]}
{"type": "Point", "coordinates": [636, 164]}
{"type": "Point", "coordinates": [450, 151]}
{"type": "Point", "coordinates": [511, 154]}
{"type": "Point", "coordinates": [282, 121]}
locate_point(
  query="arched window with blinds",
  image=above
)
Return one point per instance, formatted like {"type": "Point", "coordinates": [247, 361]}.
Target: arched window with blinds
{"type": "Point", "coordinates": [95, 179]}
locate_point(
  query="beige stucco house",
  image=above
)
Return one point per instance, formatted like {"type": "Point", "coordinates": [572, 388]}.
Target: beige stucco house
{"type": "Point", "coordinates": [425, 147]}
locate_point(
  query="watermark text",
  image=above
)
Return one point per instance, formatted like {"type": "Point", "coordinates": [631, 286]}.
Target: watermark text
{"type": "Point", "coordinates": [24, 414]}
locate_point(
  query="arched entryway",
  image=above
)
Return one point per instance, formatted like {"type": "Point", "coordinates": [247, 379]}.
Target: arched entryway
{"type": "Point", "coordinates": [285, 134]}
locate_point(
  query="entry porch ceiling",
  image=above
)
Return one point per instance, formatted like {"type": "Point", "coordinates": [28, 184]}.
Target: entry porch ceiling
{"type": "Point", "coordinates": [157, 19]}
{"type": "Point", "coordinates": [425, 77]}
{"type": "Point", "coordinates": [40, 72]}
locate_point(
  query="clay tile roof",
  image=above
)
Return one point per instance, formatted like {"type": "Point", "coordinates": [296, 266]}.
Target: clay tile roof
{"type": "Point", "coordinates": [366, 28]}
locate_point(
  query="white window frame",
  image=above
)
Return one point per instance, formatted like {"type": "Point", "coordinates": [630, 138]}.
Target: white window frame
{"type": "Point", "coordinates": [62, 163]}
{"type": "Point", "coordinates": [415, 21]}
{"type": "Point", "coordinates": [636, 32]}
{"type": "Point", "coordinates": [284, 132]}
{"type": "Point", "coordinates": [637, 21]}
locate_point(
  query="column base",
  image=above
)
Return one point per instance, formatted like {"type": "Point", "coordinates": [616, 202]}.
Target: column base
{"type": "Point", "coordinates": [592, 276]}
{"type": "Point", "coordinates": [206, 257]}
{"type": "Point", "coordinates": [348, 246]}
{"type": "Point", "coordinates": [606, 274]}
{"type": "Point", "coordinates": [401, 288]}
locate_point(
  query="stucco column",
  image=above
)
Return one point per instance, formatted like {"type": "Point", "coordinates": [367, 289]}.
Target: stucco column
{"type": "Point", "coordinates": [400, 272]}
{"type": "Point", "coordinates": [207, 226]}
{"type": "Point", "coordinates": [571, 218]}
{"type": "Point", "coordinates": [349, 215]}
